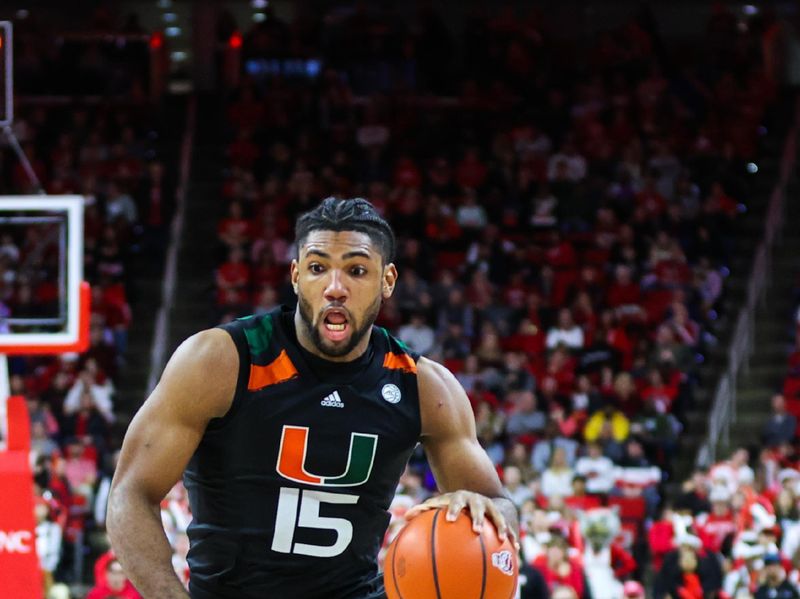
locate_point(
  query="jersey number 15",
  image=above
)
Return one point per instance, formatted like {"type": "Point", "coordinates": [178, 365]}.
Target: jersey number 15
{"type": "Point", "coordinates": [288, 519]}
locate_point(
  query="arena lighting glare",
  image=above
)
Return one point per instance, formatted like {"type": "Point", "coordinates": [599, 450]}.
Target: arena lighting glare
{"type": "Point", "coordinates": [750, 10]}
{"type": "Point", "coordinates": [164, 3]}
{"type": "Point", "coordinates": [259, 17]}
{"type": "Point", "coordinates": [259, 4]}
{"type": "Point", "coordinates": [169, 17]}
{"type": "Point", "coordinates": [178, 56]}
{"type": "Point", "coordinates": [752, 168]}
{"type": "Point", "coordinates": [172, 31]}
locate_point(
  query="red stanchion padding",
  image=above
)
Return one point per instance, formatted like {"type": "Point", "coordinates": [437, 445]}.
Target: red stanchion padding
{"type": "Point", "coordinates": [20, 577]}
{"type": "Point", "coordinates": [19, 426]}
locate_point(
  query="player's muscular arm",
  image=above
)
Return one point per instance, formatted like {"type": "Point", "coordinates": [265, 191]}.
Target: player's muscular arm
{"type": "Point", "coordinates": [463, 471]}
{"type": "Point", "coordinates": [198, 384]}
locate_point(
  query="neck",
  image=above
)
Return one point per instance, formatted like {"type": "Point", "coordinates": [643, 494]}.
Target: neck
{"type": "Point", "coordinates": [307, 343]}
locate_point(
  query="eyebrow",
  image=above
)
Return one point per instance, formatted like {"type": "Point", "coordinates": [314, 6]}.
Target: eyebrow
{"type": "Point", "coordinates": [345, 256]}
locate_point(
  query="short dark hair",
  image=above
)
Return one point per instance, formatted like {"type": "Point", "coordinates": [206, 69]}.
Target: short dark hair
{"type": "Point", "coordinates": [352, 214]}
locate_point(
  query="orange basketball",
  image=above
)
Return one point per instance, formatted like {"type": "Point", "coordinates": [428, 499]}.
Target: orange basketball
{"type": "Point", "coordinates": [432, 558]}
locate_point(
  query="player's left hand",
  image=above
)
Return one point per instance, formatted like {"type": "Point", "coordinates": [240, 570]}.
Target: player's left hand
{"type": "Point", "coordinates": [480, 507]}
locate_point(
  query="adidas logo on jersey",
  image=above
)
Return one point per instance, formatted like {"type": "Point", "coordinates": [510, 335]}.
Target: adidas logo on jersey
{"type": "Point", "coordinates": [332, 401]}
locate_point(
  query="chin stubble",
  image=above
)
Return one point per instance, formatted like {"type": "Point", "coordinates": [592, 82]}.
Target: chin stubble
{"type": "Point", "coordinates": [358, 331]}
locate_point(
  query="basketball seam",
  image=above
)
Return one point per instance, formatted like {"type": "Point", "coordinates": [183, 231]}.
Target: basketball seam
{"type": "Point", "coordinates": [483, 563]}
{"type": "Point", "coordinates": [394, 566]}
{"type": "Point", "coordinates": [433, 554]}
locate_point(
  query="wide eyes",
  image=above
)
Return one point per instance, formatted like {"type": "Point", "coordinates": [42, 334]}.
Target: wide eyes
{"type": "Point", "coordinates": [355, 271]}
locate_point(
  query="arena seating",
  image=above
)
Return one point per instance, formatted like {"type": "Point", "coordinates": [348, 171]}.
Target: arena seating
{"type": "Point", "coordinates": [564, 239]}
{"type": "Point", "coordinates": [564, 213]}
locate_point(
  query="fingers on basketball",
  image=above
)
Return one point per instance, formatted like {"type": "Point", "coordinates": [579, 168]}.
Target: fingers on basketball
{"type": "Point", "coordinates": [433, 558]}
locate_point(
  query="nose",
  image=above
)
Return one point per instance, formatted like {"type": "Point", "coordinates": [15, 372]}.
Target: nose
{"type": "Point", "coordinates": [336, 291]}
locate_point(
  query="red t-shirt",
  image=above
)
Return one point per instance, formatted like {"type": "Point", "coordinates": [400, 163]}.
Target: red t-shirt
{"type": "Point", "coordinates": [573, 579]}
{"type": "Point", "coordinates": [103, 591]}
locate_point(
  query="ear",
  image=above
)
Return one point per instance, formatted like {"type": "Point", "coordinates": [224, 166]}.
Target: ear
{"type": "Point", "coordinates": [389, 280]}
{"type": "Point", "coordinates": [294, 274]}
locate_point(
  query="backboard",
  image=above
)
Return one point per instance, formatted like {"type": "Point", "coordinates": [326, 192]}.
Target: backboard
{"type": "Point", "coordinates": [42, 307]}
{"type": "Point", "coordinates": [44, 302]}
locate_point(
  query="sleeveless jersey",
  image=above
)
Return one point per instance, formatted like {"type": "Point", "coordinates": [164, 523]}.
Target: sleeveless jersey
{"type": "Point", "coordinates": [290, 489]}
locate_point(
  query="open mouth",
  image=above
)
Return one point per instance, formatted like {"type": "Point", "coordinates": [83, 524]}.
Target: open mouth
{"type": "Point", "coordinates": [335, 324]}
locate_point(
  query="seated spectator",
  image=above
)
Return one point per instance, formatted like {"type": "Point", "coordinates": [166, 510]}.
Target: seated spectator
{"type": "Point", "coordinates": [99, 395]}
{"type": "Point", "coordinates": [669, 353]}
{"type": "Point", "coordinates": [489, 351]}
{"type": "Point", "coordinates": [694, 494]}
{"type": "Point", "coordinates": [79, 469]}
{"type": "Point", "coordinates": [776, 584]}
{"type": "Point", "coordinates": [87, 422]}
{"type": "Point", "coordinates": [120, 205]}
{"type": "Point", "coordinates": [417, 334]}
{"type": "Point", "coordinates": [625, 295]}
{"type": "Point", "coordinates": [471, 216]}
{"type": "Point", "coordinates": [470, 374]}
{"type": "Point", "coordinates": [559, 569]}
{"type": "Point", "coordinates": [626, 395]}
{"type": "Point", "coordinates": [611, 416]}
{"type": "Point", "coordinates": [514, 487]}
{"type": "Point", "coordinates": [715, 527]}
{"type": "Point", "coordinates": [543, 450]}
{"type": "Point", "coordinates": [781, 426]}
{"type": "Point", "coordinates": [733, 472]}
{"type": "Point", "coordinates": [412, 293]}
{"type": "Point", "coordinates": [688, 571]}
{"type": "Point", "coordinates": [657, 432]}
{"type": "Point", "coordinates": [686, 329]}
{"type": "Point", "coordinates": [516, 377]}
{"type": "Point", "coordinates": [116, 586]}
{"type": "Point", "coordinates": [708, 282]}
{"type": "Point", "coordinates": [557, 478]}
{"type": "Point", "coordinates": [543, 208]}
{"type": "Point", "coordinates": [658, 392]}
{"type": "Point", "coordinates": [567, 163]}
{"type": "Point", "coordinates": [524, 417]}
{"type": "Point", "coordinates": [489, 427]}
{"type": "Point", "coordinates": [566, 332]}
{"type": "Point", "coordinates": [597, 469]}
{"type": "Point", "coordinates": [41, 443]}
{"type": "Point", "coordinates": [234, 231]}
{"type": "Point", "coordinates": [579, 500]}
{"type": "Point", "coordinates": [48, 542]}
{"type": "Point", "coordinates": [233, 279]}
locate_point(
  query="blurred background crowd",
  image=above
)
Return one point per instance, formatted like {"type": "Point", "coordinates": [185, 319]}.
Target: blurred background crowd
{"type": "Point", "coordinates": [566, 216]}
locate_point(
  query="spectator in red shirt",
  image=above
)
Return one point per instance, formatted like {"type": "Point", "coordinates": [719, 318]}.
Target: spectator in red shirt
{"type": "Point", "coordinates": [624, 293]}
{"type": "Point", "coordinates": [243, 152]}
{"type": "Point", "coordinates": [233, 276]}
{"type": "Point", "coordinates": [559, 569]}
{"type": "Point", "coordinates": [116, 586]}
{"type": "Point", "coordinates": [653, 202]}
{"type": "Point", "coordinates": [234, 230]}
{"type": "Point", "coordinates": [471, 172]}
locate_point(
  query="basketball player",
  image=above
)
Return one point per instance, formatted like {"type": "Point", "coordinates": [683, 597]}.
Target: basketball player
{"type": "Point", "coordinates": [291, 431]}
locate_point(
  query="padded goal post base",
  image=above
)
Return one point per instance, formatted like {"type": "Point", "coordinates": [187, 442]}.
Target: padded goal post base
{"type": "Point", "coordinates": [20, 576]}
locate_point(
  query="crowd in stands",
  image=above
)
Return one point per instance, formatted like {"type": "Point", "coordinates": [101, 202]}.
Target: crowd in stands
{"type": "Point", "coordinates": [107, 154]}
{"type": "Point", "coordinates": [564, 218]}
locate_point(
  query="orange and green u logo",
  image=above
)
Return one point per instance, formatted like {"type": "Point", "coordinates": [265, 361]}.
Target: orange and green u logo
{"type": "Point", "coordinates": [292, 459]}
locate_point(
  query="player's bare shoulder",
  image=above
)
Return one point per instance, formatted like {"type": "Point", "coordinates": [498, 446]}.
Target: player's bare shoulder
{"type": "Point", "coordinates": [203, 371]}
{"type": "Point", "coordinates": [444, 405]}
